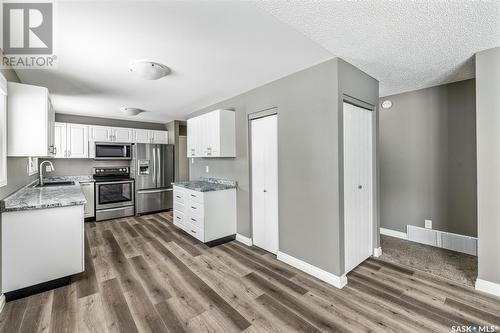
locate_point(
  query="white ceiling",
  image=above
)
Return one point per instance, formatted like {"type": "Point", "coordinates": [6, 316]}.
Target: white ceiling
{"type": "Point", "coordinates": [218, 49]}
{"type": "Point", "coordinates": [406, 45]}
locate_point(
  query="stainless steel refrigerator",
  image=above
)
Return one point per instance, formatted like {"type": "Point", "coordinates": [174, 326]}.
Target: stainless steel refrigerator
{"type": "Point", "coordinates": [153, 170]}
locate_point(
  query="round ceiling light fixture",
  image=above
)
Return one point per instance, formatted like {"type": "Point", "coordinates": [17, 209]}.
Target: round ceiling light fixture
{"type": "Point", "coordinates": [131, 111]}
{"type": "Point", "coordinates": [387, 104]}
{"type": "Point", "coordinates": [148, 70]}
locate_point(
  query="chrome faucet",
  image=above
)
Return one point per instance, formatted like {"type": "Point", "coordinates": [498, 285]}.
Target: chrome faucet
{"type": "Point", "coordinates": [41, 170]}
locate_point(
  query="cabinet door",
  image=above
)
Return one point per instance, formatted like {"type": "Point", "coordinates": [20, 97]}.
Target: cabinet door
{"type": "Point", "coordinates": [142, 136]}
{"type": "Point", "coordinates": [51, 120]}
{"type": "Point", "coordinates": [122, 134]}
{"type": "Point", "coordinates": [159, 136]}
{"type": "Point", "coordinates": [212, 136]}
{"type": "Point", "coordinates": [60, 140]}
{"type": "Point", "coordinates": [100, 133]}
{"type": "Point", "coordinates": [78, 141]}
{"type": "Point", "coordinates": [191, 137]}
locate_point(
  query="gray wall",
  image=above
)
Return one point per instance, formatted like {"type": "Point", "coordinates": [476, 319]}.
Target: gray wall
{"type": "Point", "coordinates": [307, 103]}
{"type": "Point", "coordinates": [69, 118]}
{"type": "Point", "coordinates": [428, 159]}
{"type": "Point", "coordinates": [17, 167]}
{"type": "Point", "coordinates": [488, 163]}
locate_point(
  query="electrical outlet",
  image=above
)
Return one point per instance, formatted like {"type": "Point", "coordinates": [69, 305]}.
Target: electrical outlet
{"type": "Point", "coordinates": [207, 169]}
{"type": "Point", "coordinates": [428, 224]}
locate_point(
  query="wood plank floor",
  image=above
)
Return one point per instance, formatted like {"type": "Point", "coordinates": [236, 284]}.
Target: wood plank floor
{"type": "Point", "coordinates": [145, 275]}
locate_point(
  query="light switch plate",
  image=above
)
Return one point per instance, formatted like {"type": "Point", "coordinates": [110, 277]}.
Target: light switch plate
{"type": "Point", "coordinates": [207, 169]}
{"type": "Point", "coordinates": [428, 224]}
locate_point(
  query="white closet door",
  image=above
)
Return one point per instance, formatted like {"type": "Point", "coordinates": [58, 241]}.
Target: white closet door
{"type": "Point", "coordinates": [264, 133]}
{"type": "Point", "coordinates": [358, 185]}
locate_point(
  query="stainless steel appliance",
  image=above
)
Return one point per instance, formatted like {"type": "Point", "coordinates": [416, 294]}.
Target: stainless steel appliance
{"type": "Point", "coordinates": [113, 151]}
{"type": "Point", "coordinates": [153, 170]}
{"type": "Point", "coordinates": [114, 192]}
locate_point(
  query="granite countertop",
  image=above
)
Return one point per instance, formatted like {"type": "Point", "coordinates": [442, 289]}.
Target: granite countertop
{"type": "Point", "coordinates": [32, 197]}
{"type": "Point", "coordinates": [80, 179]}
{"type": "Point", "coordinates": [208, 184]}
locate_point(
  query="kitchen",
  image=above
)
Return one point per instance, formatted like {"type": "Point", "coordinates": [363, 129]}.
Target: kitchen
{"type": "Point", "coordinates": [216, 166]}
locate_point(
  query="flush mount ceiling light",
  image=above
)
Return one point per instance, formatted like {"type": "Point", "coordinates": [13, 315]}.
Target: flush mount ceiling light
{"type": "Point", "coordinates": [148, 70]}
{"type": "Point", "coordinates": [131, 111]}
{"type": "Point", "coordinates": [387, 104]}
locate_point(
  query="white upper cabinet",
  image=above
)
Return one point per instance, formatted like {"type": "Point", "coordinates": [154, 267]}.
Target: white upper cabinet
{"type": "Point", "coordinates": [159, 137]}
{"type": "Point", "coordinates": [142, 136]}
{"type": "Point", "coordinates": [60, 140]}
{"type": "Point", "coordinates": [111, 134]}
{"type": "Point", "coordinates": [100, 134]}
{"type": "Point", "coordinates": [71, 140]}
{"type": "Point", "coordinates": [120, 134]}
{"type": "Point", "coordinates": [77, 141]}
{"type": "Point", "coordinates": [30, 118]}
{"type": "Point", "coordinates": [212, 135]}
{"type": "Point", "coordinates": [150, 136]}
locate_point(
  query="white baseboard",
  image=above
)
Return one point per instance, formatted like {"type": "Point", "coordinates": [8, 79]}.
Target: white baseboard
{"type": "Point", "coordinates": [393, 233]}
{"type": "Point", "coordinates": [334, 280]}
{"type": "Point", "coordinates": [244, 239]}
{"type": "Point", "coordinates": [488, 287]}
{"type": "Point", "coordinates": [2, 302]}
{"type": "Point", "coordinates": [377, 252]}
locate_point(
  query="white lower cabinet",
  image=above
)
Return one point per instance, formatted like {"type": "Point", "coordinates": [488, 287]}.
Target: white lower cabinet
{"type": "Point", "coordinates": [41, 245]}
{"type": "Point", "coordinates": [206, 216]}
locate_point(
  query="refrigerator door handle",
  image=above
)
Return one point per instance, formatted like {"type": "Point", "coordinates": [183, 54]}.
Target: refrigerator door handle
{"type": "Point", "coordinates": [158, 176]}
{"type": "Point", "coordinates": [154, 165]}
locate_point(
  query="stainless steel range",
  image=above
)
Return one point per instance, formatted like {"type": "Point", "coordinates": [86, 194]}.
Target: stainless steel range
{"type": "Point", "coordinates": [114, 192]}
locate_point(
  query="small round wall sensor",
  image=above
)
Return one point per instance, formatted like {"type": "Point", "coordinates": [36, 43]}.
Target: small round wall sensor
{"type": "Point", "coordinates": [387, 104]}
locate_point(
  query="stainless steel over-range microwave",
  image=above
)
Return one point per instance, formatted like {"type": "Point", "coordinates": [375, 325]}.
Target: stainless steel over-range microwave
{"type": "Point", "coordinates": [113, 151]}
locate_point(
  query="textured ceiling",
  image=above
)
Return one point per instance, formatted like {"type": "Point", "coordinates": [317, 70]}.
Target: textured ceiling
{"type": "Point", "coordinates": [406, 45]}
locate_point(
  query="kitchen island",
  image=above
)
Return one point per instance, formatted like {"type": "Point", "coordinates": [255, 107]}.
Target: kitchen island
{"type": "Point", "coordinates": [42, 238]}
{"type": "Point", "coordinates": [206, 209]}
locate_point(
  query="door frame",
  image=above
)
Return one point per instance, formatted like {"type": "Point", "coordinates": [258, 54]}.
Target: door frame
{"type": "Point", "coordinates": [252, 116]}
{"type": "Point", "coordinates": [375, 243]}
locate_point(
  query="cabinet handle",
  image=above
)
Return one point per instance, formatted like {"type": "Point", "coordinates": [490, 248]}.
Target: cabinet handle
{"type": "Point", "coordinates": [178, 196]}
{"type": "Point", "coordinates": [193, 231]}
{"type": "Point", "coordinates": [55, 151]}
{"type": "Point", "coordinates": [194, 196]}
{"type": "Point", "coordinates": [193, 220]}
{"type": "Point", "coordinates": [177, 217]}
{"type": "Point", "coordinates": [193, 207]}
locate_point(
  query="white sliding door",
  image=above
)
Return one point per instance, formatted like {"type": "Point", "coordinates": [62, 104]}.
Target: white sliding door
{"type": "Point", "coordinates": [358, 185]}
{"type": "Point", "coordinates": [264, 145]}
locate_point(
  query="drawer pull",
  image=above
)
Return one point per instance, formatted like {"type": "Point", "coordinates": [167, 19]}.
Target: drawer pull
{"type": "Point", "coordinates": [193, 220]}
{"type": "Point", "coordinates": [193, 207]}
{"type": "Point", "coordinates": [178, 196]}
{"type": "Point", "coordinates": [193, 231]}
{"type": "Point", "coordinates": [178, 217]}
{"type": "Point", "coordinates": [193, 195]}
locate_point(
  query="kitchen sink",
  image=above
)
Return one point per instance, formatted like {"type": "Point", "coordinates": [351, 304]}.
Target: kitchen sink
{"type": "Point", "coordinates": [62, 183]}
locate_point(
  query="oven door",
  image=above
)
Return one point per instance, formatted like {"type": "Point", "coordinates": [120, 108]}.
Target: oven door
{"type": "Point", "coordinates": [112, 151]}
{"type": "Point", "coordinates": [114, 194]}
